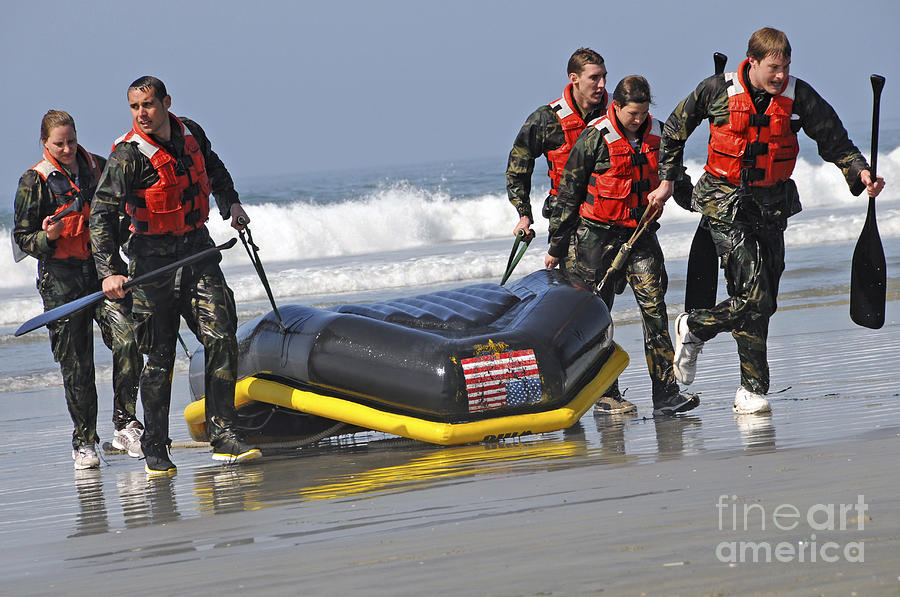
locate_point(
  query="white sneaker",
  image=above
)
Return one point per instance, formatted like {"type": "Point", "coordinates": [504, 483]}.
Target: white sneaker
{"type": "Point", "coordinates": [687, 348]}
{"type": "Point", "coordinates": [750, 403]}
{"type": "Point", "coordinates": [128, 439]}
{"type": "Point", "coordinates": [86, 457]}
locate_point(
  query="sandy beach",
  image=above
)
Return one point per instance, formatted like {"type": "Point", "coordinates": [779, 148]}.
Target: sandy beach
{"type": "Point", "coordinates": [632, 506]}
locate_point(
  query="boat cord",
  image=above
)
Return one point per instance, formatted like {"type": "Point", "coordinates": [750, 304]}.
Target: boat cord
{"type": "Point", "coordinates": [254, 259]}
{"type": "Point", "coordinates": [513, 257]}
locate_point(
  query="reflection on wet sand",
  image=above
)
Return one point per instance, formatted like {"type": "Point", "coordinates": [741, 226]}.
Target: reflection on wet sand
{"type": "Point", "coordinates": [675, 436]}
{"type": "Point", "coordinates": [757, 432]}
{"type": "Point", "coordinates": [678, 436]}
{"type": "Point", "coordinates": [229, 490]}
{"type": "Point", "coordinates": [612, 435]}
{"type": "Point", "coordinates": [343, 469]}
{"type": "Point", "coordinates": [144, 501]}
{"type": "Point", "coordinates": [359, 470]}
{"type": "Point", "coordinates": [293, 478]}
{"type": "Point", "coordinates": [92, 518]}
{"type": "Point", "coordinates": [449, 465]}
{"type": "Point", "coordinates": [367, 465]}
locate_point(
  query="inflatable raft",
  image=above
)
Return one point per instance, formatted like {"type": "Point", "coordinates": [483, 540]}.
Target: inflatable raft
{"type": "Point", "coordinates": [479, 363]}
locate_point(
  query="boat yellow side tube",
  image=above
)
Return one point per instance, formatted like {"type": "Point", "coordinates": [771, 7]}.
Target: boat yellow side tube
{"type": "Point", "coordinates": [341, 409]}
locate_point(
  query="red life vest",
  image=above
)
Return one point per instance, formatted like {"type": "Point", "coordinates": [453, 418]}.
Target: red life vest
{"type": "Point", "coordinates": [179, 201]}
{"type": "Point", "coordinates": [572, 125]}
{"type": "Point", "coordinates": [613, 195]}
{"type": "Point", "coordinates": [74, 241]}
{"type": "Point", "coordinates": [754, 149]}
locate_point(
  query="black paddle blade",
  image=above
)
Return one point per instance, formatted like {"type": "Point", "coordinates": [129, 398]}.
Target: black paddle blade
{"type": "Point", "coordinates": [703, 265]}
{"type": "Point", "coordinates": [86, 301]}
{"type": "Point", "coordinates": [702, 272]}
{"type": "Point", "coordinates": [868, 273]}
{"type": "Point", "coordinates": [719, 61]}
{"type": "Point", "coordinates": [868, 276]}
{"type": "Point", "coordinates": [59, 312]}
{"type": "Point", "coordinates": [877, 84]}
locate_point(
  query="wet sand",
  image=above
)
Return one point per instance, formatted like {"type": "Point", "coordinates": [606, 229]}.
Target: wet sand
{"type": "Point", "coordinates": [616, 507]}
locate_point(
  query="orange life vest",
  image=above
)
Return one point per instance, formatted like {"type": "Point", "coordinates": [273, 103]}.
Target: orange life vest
{"type": "Point", "coordinates": [754, 149]}
{"type": "Point", "coordinates": [179, 201]}
{"type": "Point", "coordinates": [572, 125]}
{"type": "Point", "coordinates": [74, 241]}
{"type": "Point", "coordinates": [613, 195]}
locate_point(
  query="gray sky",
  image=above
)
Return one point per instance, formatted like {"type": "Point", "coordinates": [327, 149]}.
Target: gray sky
{"type": "Point", "coordinates": [284, 87]}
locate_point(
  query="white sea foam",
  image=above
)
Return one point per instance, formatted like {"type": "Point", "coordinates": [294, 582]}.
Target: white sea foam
{"type": "Point", "coordinates": [401, 235]}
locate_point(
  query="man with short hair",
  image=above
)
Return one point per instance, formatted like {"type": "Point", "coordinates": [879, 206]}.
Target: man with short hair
{"type": "Point", "coordinates": [161, 174]}
{"type": "Point", "coordinates": [747, 195]}
{"type": "Point", "coordinates": [551, 130]}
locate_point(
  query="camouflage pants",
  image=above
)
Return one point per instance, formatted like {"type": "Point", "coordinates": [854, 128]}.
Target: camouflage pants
{"type": "Point", "coordinates": [200, 295]}
{"type": "Point", "coordinates": [753, 261]}
{"type": "Point", "coordinates": [72, 342]}
{"type": "Point", "coordinates": [645, 272]}
{"type": "Point", "coordinates": [567, 264]}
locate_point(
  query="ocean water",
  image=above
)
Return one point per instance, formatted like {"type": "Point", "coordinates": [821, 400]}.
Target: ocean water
{"type": "Point", "coordinates": [328, 237]}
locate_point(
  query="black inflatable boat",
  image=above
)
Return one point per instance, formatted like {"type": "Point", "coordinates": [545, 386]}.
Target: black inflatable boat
{"type": "Point", "coordinates": [479, 363]}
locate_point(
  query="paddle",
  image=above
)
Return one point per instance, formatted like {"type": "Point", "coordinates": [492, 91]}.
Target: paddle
{"type": "Point", "coordinates": [86, 301]}
{"type": "Point", "coordinates": [19, 254]}
{"type": "Point", "coordinates": [515, 258]}
{"type": "Point", "coordinates": [624, 252]}
{"type": "Point", "coordinates": [703, 266]}
{"type": "Point", "coordinates": [868, 272]}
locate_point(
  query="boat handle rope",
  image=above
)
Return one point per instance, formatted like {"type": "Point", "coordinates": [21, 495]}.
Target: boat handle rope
{"type": "Point", "coordinates": [514, 258]}
{"type": "Point", "coordinates": [254, 259]}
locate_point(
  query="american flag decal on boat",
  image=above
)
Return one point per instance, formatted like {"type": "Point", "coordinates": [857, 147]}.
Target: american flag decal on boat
{"type": "Point", "coordinates": [502, 379]}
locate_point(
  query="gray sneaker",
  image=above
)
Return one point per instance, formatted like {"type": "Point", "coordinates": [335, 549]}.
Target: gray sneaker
{"type": "Point", "coordinates": [85, 457]}
{"type": "Point", "coordinates": [609, 405]}
{"type": "Point", "coordinates": [687, 349]}
{"type": "Point", "coordinates": [675, 403]}
{"type": "Point", "coordinates": [128, 439]}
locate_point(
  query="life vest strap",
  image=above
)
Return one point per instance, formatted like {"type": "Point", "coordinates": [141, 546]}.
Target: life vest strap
{"type": "Point", "coordinates": [759, 120]}
{"type": "Point", "coordinates": [640, 186]}
{"type": "Point", "coordinates": [749, 175]}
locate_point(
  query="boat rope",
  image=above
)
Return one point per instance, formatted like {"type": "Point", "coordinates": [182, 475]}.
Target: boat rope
{"type": "Point", "coordinates": [515, 258]}
{"type": "Point", "coordinates": [254, 259]}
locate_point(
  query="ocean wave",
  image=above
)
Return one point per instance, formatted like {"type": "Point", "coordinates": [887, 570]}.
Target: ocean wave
{"type": "Point", "coordinates": [53, 378]}
{"type": "Point", "coordinates": [400, 216]}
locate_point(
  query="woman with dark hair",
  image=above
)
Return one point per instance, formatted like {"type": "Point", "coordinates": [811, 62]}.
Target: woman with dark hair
{"type": "Point", "coordinates": [602, 200]}
{"type": "Point", "coordinates": [52, 209]}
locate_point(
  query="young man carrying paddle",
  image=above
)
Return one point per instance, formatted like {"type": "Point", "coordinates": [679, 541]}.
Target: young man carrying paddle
{"type": "Point", "coordinates": [161, 173]}
{"type": "Point", "coordinates": [747, 195]}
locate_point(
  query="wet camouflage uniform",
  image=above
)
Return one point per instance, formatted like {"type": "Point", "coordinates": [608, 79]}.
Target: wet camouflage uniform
{"type": "Point", "coordinates": [747, 225]}
{"type": "Point", "coordinates": [197, 292]}
{"type": "Point", "coordinates": [72, 339]}
{"type": "Point", "coordinates": [596, 244]}
{"type": "Point", "coordinates": [541, 133]}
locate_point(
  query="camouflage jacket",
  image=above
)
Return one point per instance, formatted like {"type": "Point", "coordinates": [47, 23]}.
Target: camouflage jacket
{"type": "Point", "coordinates": [719, 199]}
{"type": "Point", "coordinates": [542, 132]}
{"type": "Point", "coordinates": [128, 170]}
{"type": "Point", "coordinates": [589, 155]}
{"type": "Point", "coordinates": [34, 202]}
